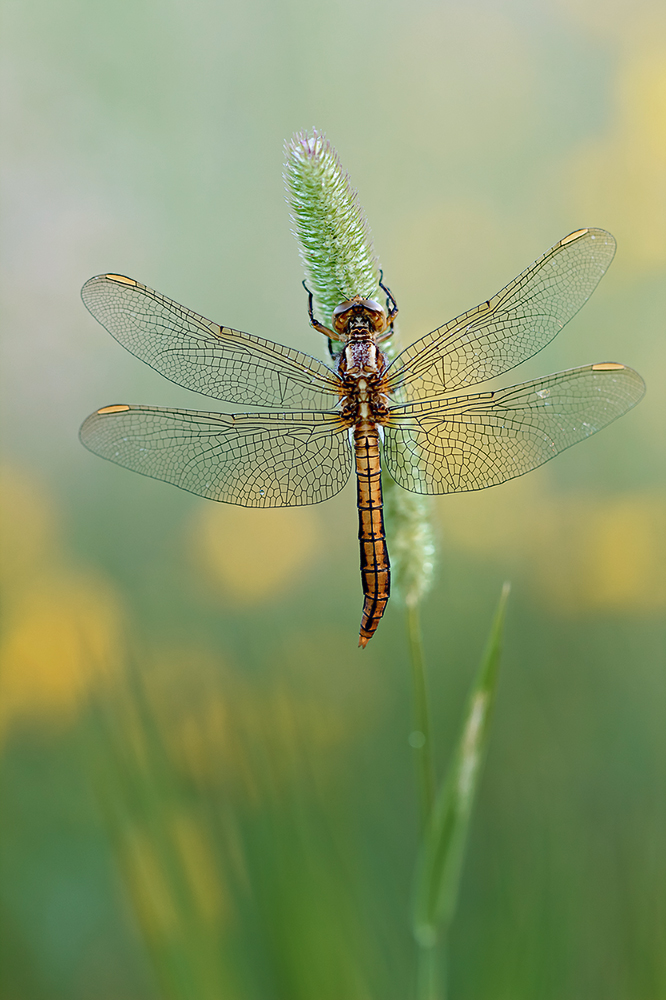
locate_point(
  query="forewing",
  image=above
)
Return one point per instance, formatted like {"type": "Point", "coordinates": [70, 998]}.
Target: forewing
{"type": "Point", "coordinates": [200, 355]}
{"type": "Point", "coordinates": [471, 442]}
{"type": "Point", "coordinates": [250, 459]}
{"type": "Point", "coordinates": [509, 328]}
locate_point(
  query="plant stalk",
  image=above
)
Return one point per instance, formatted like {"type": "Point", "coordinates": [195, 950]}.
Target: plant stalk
{"type": "Point", "coordinates": [422, 744]}
{"type": "Point", "coordinates": [431, 971]}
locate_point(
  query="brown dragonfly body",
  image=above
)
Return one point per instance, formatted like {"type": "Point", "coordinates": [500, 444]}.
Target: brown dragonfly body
{"type": "Point", "coordinates": [360, 323]}
{"type": "Point", "coordinates": [414, 415]}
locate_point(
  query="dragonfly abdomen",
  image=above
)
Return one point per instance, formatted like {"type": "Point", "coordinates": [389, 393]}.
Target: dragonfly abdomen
{"type": "Point", "coordinates": [375, 567]}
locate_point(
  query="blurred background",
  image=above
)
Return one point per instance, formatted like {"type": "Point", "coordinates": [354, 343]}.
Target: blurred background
{"type": "Point", "coordinates": [207, 789]}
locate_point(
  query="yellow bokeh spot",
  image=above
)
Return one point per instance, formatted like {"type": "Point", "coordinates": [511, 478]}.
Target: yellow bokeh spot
{"type": "Point", "coordinates": [621, 176]}
{"type": "Point", "coordinates": [27, 529]}
{"type": "Point", "coordinates": [62, 639]}
{"type": "Point", "coordinates": [583, 553]}
{"type": "Point", "coordinates": [62, 627]}
{"type": "Point", "coordinates": [252, 554]}
{"type": "Point", "coordinates": [607, 555]}
{"type": "Point", "coordinates": [252, 735]}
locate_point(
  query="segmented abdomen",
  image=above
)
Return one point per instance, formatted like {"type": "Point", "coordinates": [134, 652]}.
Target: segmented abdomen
{"type": "Point", "coordinates": [375, 567]}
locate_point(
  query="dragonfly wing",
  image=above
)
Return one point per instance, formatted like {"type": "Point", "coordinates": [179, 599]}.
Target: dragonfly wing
{"type": "Point", "coordinates": [199, 354]}
{"type": "Point", "coordinates": [471, 442]}
{"type": "Point", "coordinates": [250, 459]}
{"type": "Point", "coordinates": [509, 328]}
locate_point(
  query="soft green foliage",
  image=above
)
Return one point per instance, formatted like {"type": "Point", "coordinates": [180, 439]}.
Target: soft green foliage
{"type": "Point", "coordinates": [329, 224]}
{"type": "Point", "coordinates": [158, 838]}
{"type": "Point", "coordinates": [440, 864]}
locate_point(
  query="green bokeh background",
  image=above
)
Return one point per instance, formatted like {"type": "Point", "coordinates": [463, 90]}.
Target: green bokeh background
{"type": "Point", "coordinates": [207, 789]}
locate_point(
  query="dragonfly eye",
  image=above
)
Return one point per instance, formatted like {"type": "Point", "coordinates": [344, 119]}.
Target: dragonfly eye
{"type": "Point", "coordinates": [340, 316]}
{"type": "Point", "coordinates": [371, 305]}
{"type": "Point", "coordinates": [368, 307]}
{"type": "Point", "coordinates": [376, 314]}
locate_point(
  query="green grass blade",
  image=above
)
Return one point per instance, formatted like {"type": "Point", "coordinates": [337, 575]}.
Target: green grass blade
{"type": "Point", "coordinates": [442, 852]}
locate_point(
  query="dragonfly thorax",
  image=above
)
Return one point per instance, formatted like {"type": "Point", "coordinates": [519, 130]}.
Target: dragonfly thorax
{"type": "Point", "coordinates": [361, 358]}
{"type": "Point", "coordinates": [361, 369]}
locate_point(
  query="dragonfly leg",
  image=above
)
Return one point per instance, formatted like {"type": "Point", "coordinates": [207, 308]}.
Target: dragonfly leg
{"type": "Point", "coordinates": [390, 301]}
{"type": "Point", "coordinates": [316, 324]}
{"type": "Point", "coordinates": [335, 355]}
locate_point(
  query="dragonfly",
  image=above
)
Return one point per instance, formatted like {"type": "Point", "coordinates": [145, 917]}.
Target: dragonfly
{"type": "Point", "coordinates": [413, 416]}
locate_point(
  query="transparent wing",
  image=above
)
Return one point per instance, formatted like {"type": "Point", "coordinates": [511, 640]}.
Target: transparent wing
{"type": "Point", "coordinates": [199, 354]}
{"type": "Point", "coordinates": [471, 442]}
{"type": "Point", "coordinates": [250, 459]}
{"type": "Point", "coordinates": [510, 327]}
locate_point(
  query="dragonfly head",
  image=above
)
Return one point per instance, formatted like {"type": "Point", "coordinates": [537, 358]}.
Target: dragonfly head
{"type": "Point", "coordinates": [359, 314]}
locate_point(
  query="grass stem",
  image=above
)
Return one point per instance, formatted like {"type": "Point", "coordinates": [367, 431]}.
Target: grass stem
{"type": "Point", "coordinates": [431, 971]}
{"type": "Point", "coordinates": [420, 739]}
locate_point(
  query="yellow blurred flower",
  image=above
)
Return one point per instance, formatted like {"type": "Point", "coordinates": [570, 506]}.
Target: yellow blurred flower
{"type": "Point", "coordinates": [61, 627]}
{"type": "Point", "coordinates": [620, 178]}
{"type": "Point", "coordinates": [62, 638]}
{"type": "Point", "coordinates": [256, 736]}
{"type": "Point", "coordinates": [607, 555]}
{"type": "Point", "coordinates": [27, 529]}
{"type": "Point", "coordinates": [583, 553]}
{"type": "Point", "coordinates": [252, 554]}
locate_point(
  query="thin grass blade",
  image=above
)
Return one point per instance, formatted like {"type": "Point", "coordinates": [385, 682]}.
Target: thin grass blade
{"type": "Point", "coordinates": [440, 863]}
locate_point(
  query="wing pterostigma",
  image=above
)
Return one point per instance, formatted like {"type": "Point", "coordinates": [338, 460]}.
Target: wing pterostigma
{"type": "Point", "coordinates": [510, 327]}
{"type": "Point", "coordinates": [472, 442]}
{"type": "Point", "coordinates": [196, 353]}
{"type": "Point", "coordinates": [249, 459]}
